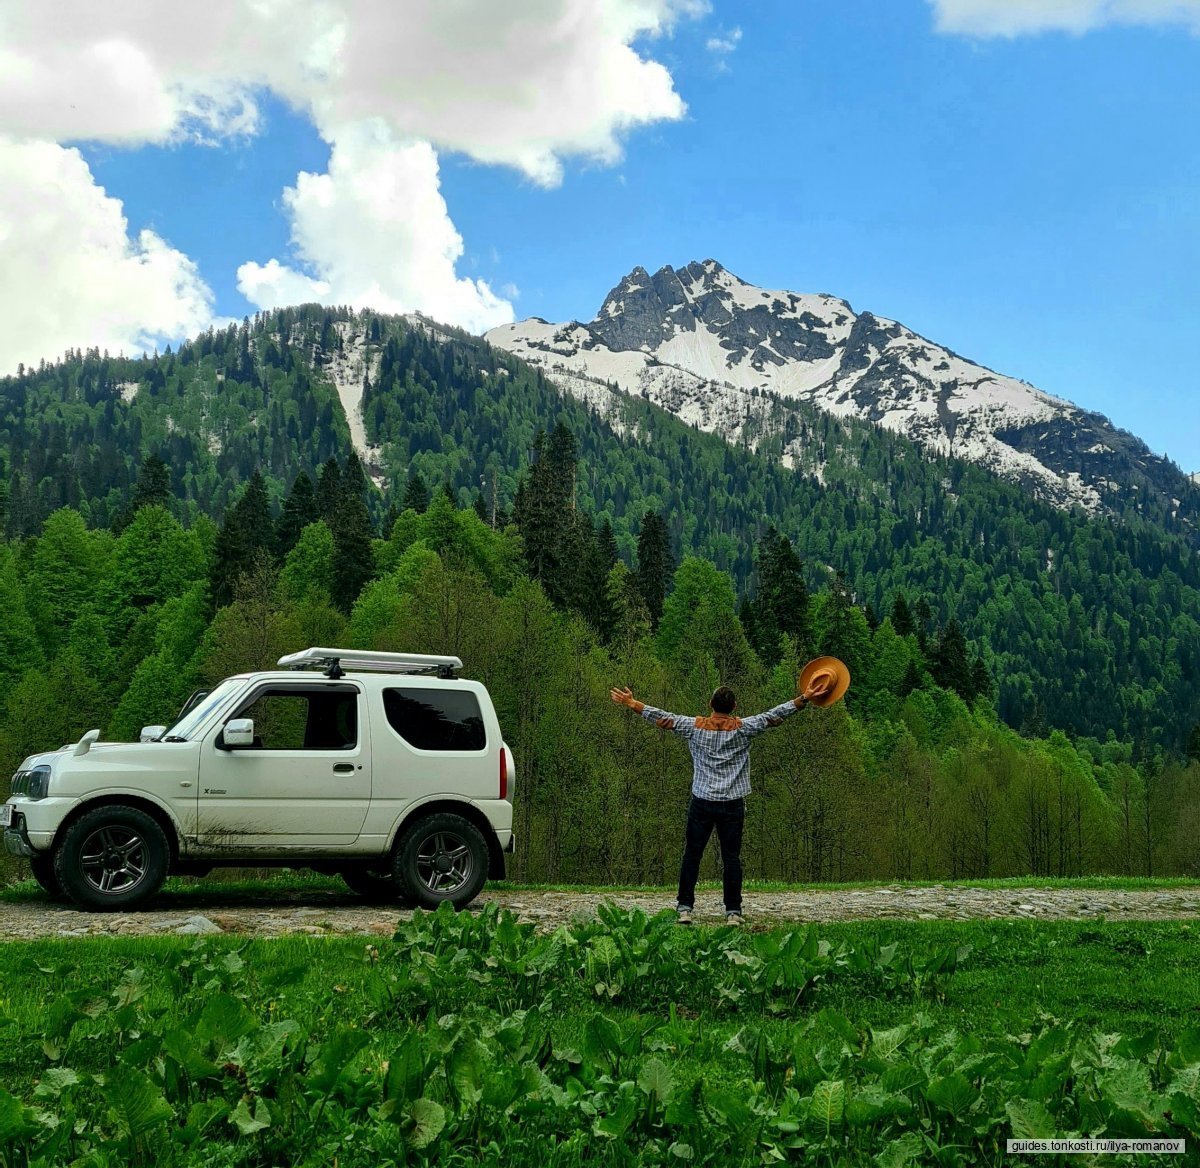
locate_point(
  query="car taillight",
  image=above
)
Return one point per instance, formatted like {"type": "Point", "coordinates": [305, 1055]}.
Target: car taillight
{"type": "Point", "coordinates": [503, 772]}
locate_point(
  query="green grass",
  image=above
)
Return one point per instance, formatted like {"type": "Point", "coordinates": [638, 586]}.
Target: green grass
{"type": "Point", "coordinates": [1128, 976]}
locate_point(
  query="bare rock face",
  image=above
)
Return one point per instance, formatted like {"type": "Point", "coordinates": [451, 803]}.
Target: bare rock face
{"type": "Point", "coordinates": [712, 349]}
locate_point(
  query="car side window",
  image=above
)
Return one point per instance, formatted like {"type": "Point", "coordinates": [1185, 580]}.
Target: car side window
{"type": "Point", "coordinates": [436, 719]}
{"type": "Point", "coordinates": [293, 718]}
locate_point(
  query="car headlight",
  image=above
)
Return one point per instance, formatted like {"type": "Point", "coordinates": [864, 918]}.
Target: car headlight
{"type": "Point", "coordinates": [33, 783]}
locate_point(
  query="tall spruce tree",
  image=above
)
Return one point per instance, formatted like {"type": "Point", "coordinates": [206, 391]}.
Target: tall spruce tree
{"type": "Point", "coordinates": [153, 488]}
{"type": "Point", "coordinates": [416, 494]}
{"type": "Point", "coordinates": [655, 564]}
{"type": "Point", "coordinates": [245, 532]}
{"type": "Point", "coordinates": [299, 510]}
{"type": "Point", "coordinates": [606, 545]}
{"type": "Point", "coordinates": [329, 489]}
{"type": "Point", "coordinates": [544, 510]}
{"type": "Point", "coordinates": [902, 619]}
{"type": "Point", "coordinates": [353, 558]}
{"type": "Point", "coordinates": [781, 605]}
{"type": "Point", "coordinates": [950, 666]}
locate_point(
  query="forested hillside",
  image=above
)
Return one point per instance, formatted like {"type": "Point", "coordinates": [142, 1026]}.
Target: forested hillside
{"type": "Point", "coordinates": [913, 776]}
{"type": "Point", "coordinates": [1085, 624]}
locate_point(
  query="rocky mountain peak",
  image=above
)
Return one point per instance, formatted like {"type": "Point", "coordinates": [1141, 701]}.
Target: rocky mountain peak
{"type": "Point", "coordinates": [706, 345]}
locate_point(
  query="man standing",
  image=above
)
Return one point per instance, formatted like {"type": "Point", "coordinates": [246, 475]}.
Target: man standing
{"type": "Point", "coordinates": [720, 747]}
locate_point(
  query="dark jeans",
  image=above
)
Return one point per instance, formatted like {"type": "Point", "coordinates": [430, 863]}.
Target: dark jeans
{"type": "Point", "coordinates": [727, 816]}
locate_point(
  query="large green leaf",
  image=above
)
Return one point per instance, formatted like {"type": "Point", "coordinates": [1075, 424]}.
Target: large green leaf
{"type": "Point", "coordinates": [222, 1022]}
{"type": "Point", "coordinates": [656, 1079]}
{"type": "Point", "coordinates": [54, 1081]}
{"type": "Point", "coordinates": [466, 1068]}
{"type": "Point", "coordinates": [182, 1046]}
{"type": "Point", "coordinates": [17, 1122]}
{"type": "Point", "coordinates": [1030, 1120]}
{"type": "Point", "coordinates": [405, 1076]}
{"type": "Point", "coordinates": [338, 1053]}
{"type": "Point", "coordinates": [827, 1106]}
{"type": "Point", "coordinates": [952, 1093]}
{"type": "Point", "coordinates": [136, 1102]}
{"type": "Point", "coordinates": [428, 1118]}
{"type": "Point", "coordinates": [885, 1043]}
{"type": "Point", "coordinates": [619, 1118]}
{"type": "Point", "coordinates": [907, 1149]}
{"type": "Point", "coordinates": [248, 1122]}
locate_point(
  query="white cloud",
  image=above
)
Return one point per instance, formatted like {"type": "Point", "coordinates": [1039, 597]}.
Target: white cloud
{"type": "Point", "coordinates": [376, 229]}
{"type": "Point", "coordinates": [1010, 18]}
{"type": "Point", "coordinates": [724, 43]}
{"type": "Point", "coordinates": [69, 273]}
{"type": "Point", "coordinates": [522, 85]}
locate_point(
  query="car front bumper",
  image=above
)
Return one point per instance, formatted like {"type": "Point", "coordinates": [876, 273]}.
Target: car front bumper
{"type": "Point", "coordinates": [16, 838]}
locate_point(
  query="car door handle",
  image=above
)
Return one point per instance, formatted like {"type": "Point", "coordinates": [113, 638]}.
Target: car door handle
{"type": "Point", "coordinates": [343, 768]}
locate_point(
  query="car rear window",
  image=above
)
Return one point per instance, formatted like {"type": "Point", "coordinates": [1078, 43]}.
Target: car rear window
{"type": "Point", "coordinates": [436, 719]}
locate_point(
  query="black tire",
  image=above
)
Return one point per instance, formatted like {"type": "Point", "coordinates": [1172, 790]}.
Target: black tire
{"type": "Point", "coordinates": [371, 886]}
{"type": "Point", "coordinates": [442, 857]}
{"type": "Point", "coordinates": [43, 873]}
{"type": "Point", "coordinates": [120, 847]}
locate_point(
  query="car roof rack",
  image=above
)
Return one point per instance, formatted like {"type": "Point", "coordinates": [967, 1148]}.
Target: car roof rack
{"type": "Point", "coordinates": [335, 662]}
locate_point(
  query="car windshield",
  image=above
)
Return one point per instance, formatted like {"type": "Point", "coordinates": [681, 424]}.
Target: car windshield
{"type": "Point", "coordinates": [186, 726]}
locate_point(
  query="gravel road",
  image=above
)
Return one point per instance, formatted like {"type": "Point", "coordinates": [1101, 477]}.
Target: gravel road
{"type": "Point", "coordinates": [273, 913]}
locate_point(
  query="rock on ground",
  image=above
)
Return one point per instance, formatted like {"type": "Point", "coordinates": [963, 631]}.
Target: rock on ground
{"type": "Point", "coordinates": [273, 913]}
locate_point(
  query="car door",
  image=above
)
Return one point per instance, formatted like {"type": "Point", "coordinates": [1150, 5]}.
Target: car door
{"type": "Point", "coordinates": [306, 781]}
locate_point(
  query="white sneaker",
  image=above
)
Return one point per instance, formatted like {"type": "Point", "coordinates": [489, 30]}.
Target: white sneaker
{"type": "Point", "coordinates": [685, 916]}
{"type": "Point", "coordinates": [735, 919]}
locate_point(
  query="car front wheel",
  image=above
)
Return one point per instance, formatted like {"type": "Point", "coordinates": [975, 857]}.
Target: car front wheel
{"type": "Point", "coordinates": [440, 858]}
{"type": "Point", "coordinates": [112, 858]}
{"type": "Point", "coordinates": [43, 873]}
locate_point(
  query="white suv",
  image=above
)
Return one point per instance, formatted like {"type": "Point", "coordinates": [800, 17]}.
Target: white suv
{"type": "Point", "coordinates": [382, 767]}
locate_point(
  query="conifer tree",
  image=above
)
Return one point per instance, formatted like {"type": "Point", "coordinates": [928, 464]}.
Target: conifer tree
{"type": "Point", "coordinates": [246, 531]}
{"type": "Point", "coordinates": [353, 559]}
{"type": "Point", "coordinates": [153, 487]}
{"type": "Point", "coordinates": [654, 564]}
{"type": "Point", "coordinates": [329, 489]}
{"type": "Point", "coordinates": [901, 616]}
{"type": "Point", "coordinates": [981, 680]}
{"type": "Point", "coordinates": [299, 510]}
{"type": "Point", "coordinates": [606, 545]}
{"type": "Point", "coordinates": [1193, 744]}
{"type": "Point", "coordinates": [949, 664]}
{"type": "Point", "coordinates": [416, 494]}
{"type": "Point", "coordinates": [545, 512]}
{"type": "Point", "coordinates": [781, 605]}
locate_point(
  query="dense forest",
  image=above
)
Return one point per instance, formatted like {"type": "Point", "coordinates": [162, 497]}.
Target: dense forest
{"type": "Point", "coordinates": [1088, 625]}
{"type": "Point", "coordinates": [914, 775]}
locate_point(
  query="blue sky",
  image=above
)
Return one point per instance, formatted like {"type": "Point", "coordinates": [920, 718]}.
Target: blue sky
{"type": "Point", "coordinates": [1031, 201]}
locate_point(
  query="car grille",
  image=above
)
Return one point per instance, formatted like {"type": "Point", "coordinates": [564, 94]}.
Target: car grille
{"type": "Point", "coordinates": [21, 781]}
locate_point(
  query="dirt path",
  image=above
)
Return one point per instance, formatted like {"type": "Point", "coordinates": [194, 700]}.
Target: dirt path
{"type": "Point", "coordinates": [323, 913]}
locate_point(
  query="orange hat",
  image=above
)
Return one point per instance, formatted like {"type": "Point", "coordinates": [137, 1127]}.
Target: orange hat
{"type": "Point", "coordinates": [830, 671]}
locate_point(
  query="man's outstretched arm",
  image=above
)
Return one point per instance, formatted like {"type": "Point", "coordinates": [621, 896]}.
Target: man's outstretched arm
{"type": "Point", "coordinates": [679, 723]}
{"type": "Point", "coordinates": [757, 723]}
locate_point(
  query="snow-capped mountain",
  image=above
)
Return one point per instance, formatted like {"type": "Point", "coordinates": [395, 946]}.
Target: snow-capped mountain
{"type": "Point", "coordinates": [723, 355]}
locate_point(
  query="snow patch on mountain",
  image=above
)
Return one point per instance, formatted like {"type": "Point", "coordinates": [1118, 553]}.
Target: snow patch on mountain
{"type": "Point", "coordinates": [721, 354]}
{"type": "Point", "coordinates": [347, 366]}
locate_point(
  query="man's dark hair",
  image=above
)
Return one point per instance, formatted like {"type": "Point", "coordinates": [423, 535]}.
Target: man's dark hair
{"type": "Point", "coordinates": [722, 700]}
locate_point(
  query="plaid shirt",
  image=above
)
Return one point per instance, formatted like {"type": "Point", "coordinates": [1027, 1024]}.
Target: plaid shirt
{"type": "Point", "coordinates": [720, 746]}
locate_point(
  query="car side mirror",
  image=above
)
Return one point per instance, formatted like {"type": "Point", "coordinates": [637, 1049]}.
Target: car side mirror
{"type": "Point", "coordinates": [151, 733]}
{"type": "Point", "coordinates": [238, 732]}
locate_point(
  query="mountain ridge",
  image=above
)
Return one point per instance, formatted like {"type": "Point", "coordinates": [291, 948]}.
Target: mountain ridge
{"type": "Point", "coordinates": [705, 344]}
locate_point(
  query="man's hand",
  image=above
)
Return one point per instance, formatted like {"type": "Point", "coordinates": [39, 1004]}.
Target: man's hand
{"type": "Point", "coordinates": [815, 688]}
{"type": "Point", "coordinates": [623, 697]}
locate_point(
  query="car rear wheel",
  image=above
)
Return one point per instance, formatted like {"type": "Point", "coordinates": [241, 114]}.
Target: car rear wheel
{"type": "Point", "coordinates": [43, 873]}
{"type": "Point", "coordinates": [441, 858]}
{"type": "Point", "coordinates": [112, 858]}
{"type": "Point", "coordinates": [373, 886]}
